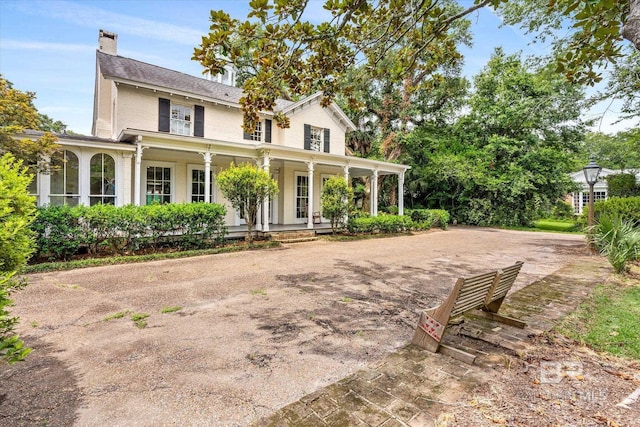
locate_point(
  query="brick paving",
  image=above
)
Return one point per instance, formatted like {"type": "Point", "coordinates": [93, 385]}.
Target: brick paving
{"type": "Point", "coordinates": [416, 388]}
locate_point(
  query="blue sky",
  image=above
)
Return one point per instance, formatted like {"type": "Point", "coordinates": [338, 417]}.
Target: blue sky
{"type": "Point", "coordinates": [48, 46]}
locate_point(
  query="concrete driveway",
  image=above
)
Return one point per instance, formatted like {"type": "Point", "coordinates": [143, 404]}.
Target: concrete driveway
{"type": "Point", "coordinates": [255, 330]}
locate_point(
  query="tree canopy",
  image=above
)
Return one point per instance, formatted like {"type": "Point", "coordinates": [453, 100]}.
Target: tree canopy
{"type": "Point", "coordinates": [291, 56]}
{"type": "Point", "coordinates": [18, 113]}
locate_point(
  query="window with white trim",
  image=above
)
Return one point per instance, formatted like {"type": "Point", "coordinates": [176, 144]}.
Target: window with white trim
{"type": "Point", "coordinates": [159, 184]}
{"type": "Point", "coordinates": [257, 133]}
{"type": "Point", "coordinates": [64, 186]}
{"type": "Point", "coordinates": [180, 120]}
{"type": "Point", "coordinates": [302, 196]}
{"type": "Point", "coordinates": [197, 185]}
{"type": "Point", "coordinates": [102, 181]}
{"type": "Point", "coordinates": [316, 139]}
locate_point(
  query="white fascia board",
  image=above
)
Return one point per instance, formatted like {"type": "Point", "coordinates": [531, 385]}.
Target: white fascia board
{"type": "Point", "coordinates": [342, 118]}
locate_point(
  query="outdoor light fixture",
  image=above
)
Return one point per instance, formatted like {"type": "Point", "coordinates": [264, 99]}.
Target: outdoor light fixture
{"type": "Point", "coordinates": [591, 172]}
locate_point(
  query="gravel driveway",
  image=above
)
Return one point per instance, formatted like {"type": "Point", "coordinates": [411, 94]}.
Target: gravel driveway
{"type": "Point", "coordinates": [254, 332]}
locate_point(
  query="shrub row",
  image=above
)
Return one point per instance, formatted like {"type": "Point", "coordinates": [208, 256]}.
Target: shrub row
{"type": "Point", "coordinates": [420, 219]}
{"type": "Point", "coordinates": [625, 208]}
{"type": "Point", "coordinates": [379, 224]}
{"type": "Point", "coordinates": [61, 231]}
{"type": "Point", "coordinates": [432, 217]}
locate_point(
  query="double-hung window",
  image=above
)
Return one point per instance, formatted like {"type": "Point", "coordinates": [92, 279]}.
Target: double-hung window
{"type": "Point", "coordinates": [316, 139]}
{"type": "Point", "coordinates": [180, 120]}
{"type": "Point", "coordinates": [64, 184]}
{"type": "Point", "coordinates": [102, 184]}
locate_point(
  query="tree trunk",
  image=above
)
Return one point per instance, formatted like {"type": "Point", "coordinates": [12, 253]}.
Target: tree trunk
{"type": "Point", "coordinates": [631, 29]}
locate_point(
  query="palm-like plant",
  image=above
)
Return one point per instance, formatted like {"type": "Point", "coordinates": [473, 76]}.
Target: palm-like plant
{"type": "Point", "coordinates": [617, 239]}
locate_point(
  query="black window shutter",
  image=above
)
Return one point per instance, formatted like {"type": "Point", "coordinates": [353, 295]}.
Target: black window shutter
{"type": "Point", "coordinates": [307, 137]}
{"type": "Point", "coordinates": [267, 130]}
{"type": "Point", "coordinates": [164, 115]}
{"type": "Point", "coordinates": [326, 140]}
{"type": "Point", "coordinates": [198, 125]}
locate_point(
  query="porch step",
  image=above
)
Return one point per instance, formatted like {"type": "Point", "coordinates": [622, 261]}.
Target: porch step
{"type": "Point", "coordinates": [296, 236]}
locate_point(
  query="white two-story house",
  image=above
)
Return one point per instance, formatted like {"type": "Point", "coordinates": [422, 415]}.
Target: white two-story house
{"type": "Point", "coordinates": [161, 135]}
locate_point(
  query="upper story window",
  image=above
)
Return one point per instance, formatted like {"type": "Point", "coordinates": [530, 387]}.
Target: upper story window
{"type": "Point", "coordinates": [316, 138]}
{"type": "Point", "coordinates": [180, 120]}
{"type": "Point", "coordinates": [262, 132]}
{"type": "Point", "coordinates": [257, 133]}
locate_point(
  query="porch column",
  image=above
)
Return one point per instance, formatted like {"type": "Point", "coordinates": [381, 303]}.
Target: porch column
{"type": "Point", "coordinates": [346, 178]}
{"type": "Point", "coordinates": [123, 187]}
{"type": "Point", "coordinates": [310, 195]}
{"type": "Point", "coordinates": [401, 193]}
{"type": "Point", "coordinates": [265, 203]}
{"type": "Point", "coordinates": [374, 193]}
{"type": "Point", "coordinates": [137, 177]}
{"type": "Point", "coordinates": [207, 175]}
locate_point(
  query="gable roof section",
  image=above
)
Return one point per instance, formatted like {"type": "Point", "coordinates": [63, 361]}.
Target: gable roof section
{"type": "Point", "coordinates": [131, 71]}
{"type": "Point", "coordinates": [335, 111]}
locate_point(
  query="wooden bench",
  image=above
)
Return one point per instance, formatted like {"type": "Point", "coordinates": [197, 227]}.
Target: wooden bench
{"type": "Point", "coordinates": [484, 291]}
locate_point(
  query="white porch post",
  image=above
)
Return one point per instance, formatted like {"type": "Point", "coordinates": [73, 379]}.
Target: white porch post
{"type": "Point", "coordinates": [137, 173]}
{"type": "Point", "coordinates": [401, 193]}
{"type": "Point", "coordinates": [310, 195]}
{"type": "Point", "coordinates": [207, 175]}
{"type": "Point", "coordinates": [374, 193]}
{"type": "Point", "coordinates": [265, 204]}
{"type": "Point", "coordinates": [123, 186]}
{"type": "Point", "coordinates": [346, 178]}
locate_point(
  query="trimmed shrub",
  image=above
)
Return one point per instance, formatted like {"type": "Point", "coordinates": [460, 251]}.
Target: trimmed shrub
{"type": "Point", "coordinates": [62, 230]}
{"type": "Point", "coordinates": [379, 224]}
{"type": "Point", "coordinates": [59, 232]}
{"type": "Point", "coordinates": [625, 208]}
{"type": "Point", "coordinates": [434, 217]}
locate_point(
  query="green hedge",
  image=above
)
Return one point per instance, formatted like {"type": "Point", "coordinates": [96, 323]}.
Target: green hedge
{"type": "Point", "coordinates": [61, 231]}
{"type": "Point", "coordinates": [625, 208]}
{"type": "Point", "coordinates": [432, 217]}
{"type": "Point", "coordinates": [379, 224]}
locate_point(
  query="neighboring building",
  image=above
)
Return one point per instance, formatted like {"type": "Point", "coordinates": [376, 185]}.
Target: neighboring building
{"type": "Point", "coordinates": [161, 135]}
{"type": "Point", "coordinates": [580, 198]}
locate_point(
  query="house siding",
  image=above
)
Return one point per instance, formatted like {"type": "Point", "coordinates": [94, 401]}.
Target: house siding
{"type": "Point", "coordinates": [316, 116]}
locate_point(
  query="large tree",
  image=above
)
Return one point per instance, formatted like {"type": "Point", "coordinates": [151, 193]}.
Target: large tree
{"type": "Point", "coordinates": [506, 161]}
{"type": "Point", "coordinates": [17, 113]}
{"type": "Point", "coordinates": [292, 56]}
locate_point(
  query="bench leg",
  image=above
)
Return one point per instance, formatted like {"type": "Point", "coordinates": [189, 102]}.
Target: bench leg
{"type": "Point", "coordinates": [422, 339]}
{"type": "Point", "coordinates": [494, 306]}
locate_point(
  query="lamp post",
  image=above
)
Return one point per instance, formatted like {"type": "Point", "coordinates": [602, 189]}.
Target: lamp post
{"type": "Point", "coordinates": [591, 172]}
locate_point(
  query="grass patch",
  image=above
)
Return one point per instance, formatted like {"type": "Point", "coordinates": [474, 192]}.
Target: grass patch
{"type": "Point", "coordinates": [556, 225]}
{"type": "Point", "coordinates": [171, 309]}
{"type": "Point", "coordinates": [140, 319]}
{"type": "Point", "coordinates": [258, 292]}
{"type": "Point", "coordinates": [609, 320]}
{"type": "Point", "coordinates": [118, 315]}
{"type": "Point", "coordinates": [97, 262]}
{"type": "Point", "coordinates": [346, 299]}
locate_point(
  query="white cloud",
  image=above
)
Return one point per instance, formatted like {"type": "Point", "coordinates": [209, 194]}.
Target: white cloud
{"type": "Point", "coordinates": [93, 17]}
{"type": "Point", "coordinates": [10, 44]}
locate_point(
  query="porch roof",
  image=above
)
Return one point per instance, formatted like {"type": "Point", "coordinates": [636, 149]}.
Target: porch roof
{"type": "Point", "coordinates": [256, 151]}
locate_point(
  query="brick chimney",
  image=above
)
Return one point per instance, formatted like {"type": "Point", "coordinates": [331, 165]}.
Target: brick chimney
{"type": "Point", "coordinates": [108, 42]}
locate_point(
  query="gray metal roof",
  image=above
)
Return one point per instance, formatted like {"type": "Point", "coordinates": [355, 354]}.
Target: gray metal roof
{"type": "Point", "coordinates": [118, 67]}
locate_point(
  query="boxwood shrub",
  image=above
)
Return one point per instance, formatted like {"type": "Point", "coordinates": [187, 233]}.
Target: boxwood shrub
{"type": "Point", "coordinates": [62, 231]}
{"type": "Point", "coordinates": [379, 224]}
{"type": "Point", "coordinates": [625, 208]}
